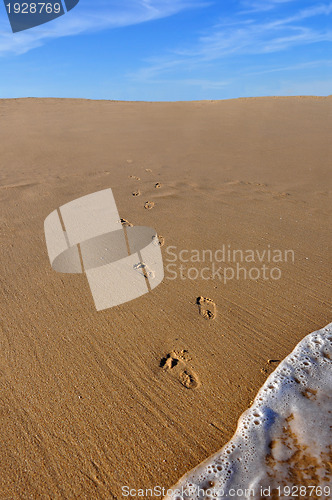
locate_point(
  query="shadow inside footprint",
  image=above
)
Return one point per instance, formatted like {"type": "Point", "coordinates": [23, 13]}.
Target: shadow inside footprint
{"type": "Point", "coordinates": [176, 363]}
{"type": "Point", "coordinates": [126, 223]}
{"type": "Point", "coordinates": [188, 380]}
{"type": "Point", "coordinates": [158, 240]}
{"type": "Point", "coordinates": [168, 362]}
{"type": "Point", "coordinates": [149, 205]}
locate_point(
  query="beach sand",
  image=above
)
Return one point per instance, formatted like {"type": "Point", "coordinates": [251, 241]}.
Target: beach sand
{"type": "Point", "coordinates": [139, 394]}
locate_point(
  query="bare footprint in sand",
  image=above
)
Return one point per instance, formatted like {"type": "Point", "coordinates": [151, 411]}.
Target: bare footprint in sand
{"type": "Point", "coordinates": [158, 185]}
{"type": "Point", "coordinates": [144, 269]}
{"type": "Point", "coordinates": [126, 223]}
{"type": "Point", "coordinates": [270, 362]}
{"type": "Point", "coordinates": [158, 240]}
{"type": "Point", "coordinates": [176, 364]}
{"type": "Point", "coordinates": [149, 205]}
{"type": "Point", "coordinates": [136, 193]}
{"type": "Point", "coordinates": [207, 307]}
{"type": "Point", "coordinates": [148, 170]}
{"type": "Point", "coordinates": [134, 177]}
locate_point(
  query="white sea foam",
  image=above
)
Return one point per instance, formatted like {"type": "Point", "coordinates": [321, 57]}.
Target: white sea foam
{"type": "Point", "coordinates": [283, 440]}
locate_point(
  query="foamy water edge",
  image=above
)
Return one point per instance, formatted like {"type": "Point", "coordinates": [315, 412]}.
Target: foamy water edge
{"type": "Point", "coordinates": [283, 439]}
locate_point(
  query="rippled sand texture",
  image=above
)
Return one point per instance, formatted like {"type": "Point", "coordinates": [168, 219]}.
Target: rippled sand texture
{"type": "Point", "coordinates": [140, 394]}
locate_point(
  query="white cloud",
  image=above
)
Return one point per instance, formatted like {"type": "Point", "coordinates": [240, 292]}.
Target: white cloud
{"type": "Point", "coordinates": [258, 37]}
{"type": "Point", "coordinates": [316, 10]}
{"type": "Point", "coordinates": [319, 63]}
{"type": "Point", "coordinates": [262, 5]}
{"type": "Point", "coordinates": [311, 87]}
{"type": "Point", "coordinates": [89, 16]}
{"type": "Point", "coordinates": [214, 52]}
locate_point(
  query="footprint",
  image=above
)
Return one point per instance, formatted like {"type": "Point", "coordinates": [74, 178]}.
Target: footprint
{"type": "Point", "coordinates": [158, 240]}
{"type": "Point", "coordinates": [148, 170]}
{"type": "Point", "coordinates": [136, 193]}
{"type": "Point", "coordinates": [280, 195]}
{"type": "Point", "coordinates": [144, 269]}
{"type": "Point", "coordinates": [126, 223]}
{"type": "Point", "coordinates": [149, 204]}
{"type": "Point", "coordinates": [188, 380]}
{"type": "Point", "coordinates": [158, 185]}
{"type": "Point", "coordinates": [176, 363]}
{"type": "Point", "coordinates": [207, 307]}
{"type": "Point", "coordinates": [19, 185]}
{"type": "Point", "coordinates": [265, 369]}
{"type": "Point", "coordinates": [134, 177]}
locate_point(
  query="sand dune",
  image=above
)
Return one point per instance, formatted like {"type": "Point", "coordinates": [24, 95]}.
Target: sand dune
{"type": "Point", "coordinates": [139, 394]}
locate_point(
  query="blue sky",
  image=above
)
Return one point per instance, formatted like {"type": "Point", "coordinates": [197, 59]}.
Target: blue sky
{"type": "Point", "coordinates": [167, 50]}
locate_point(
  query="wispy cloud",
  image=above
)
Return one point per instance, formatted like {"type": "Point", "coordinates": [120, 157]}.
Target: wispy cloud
{"type": "Point", "coordinates": [88, 17]}
{"type": "Point", "coordinates": [216, 50]}
{"type": "Point", "coordinates": [225, 56]}
{"type": "Point", "coordinates": [202, 83]}
{"type": "Point", "coordinates": [320, 63]}
{"type": "Point", "coordinates": [247, 37]}
{"type": "Point", "coordinates": [257, 36]}
{"type": "Point", "coordinates": [251, 6]}
{"type": "Point", "coordinates": [310, 87]}
{"type": "Point", "coordinates": [315, 10]}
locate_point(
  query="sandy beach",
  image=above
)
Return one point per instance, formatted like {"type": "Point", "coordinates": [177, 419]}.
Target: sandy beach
{"type": "Point", "coordinates": [139, 394]}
